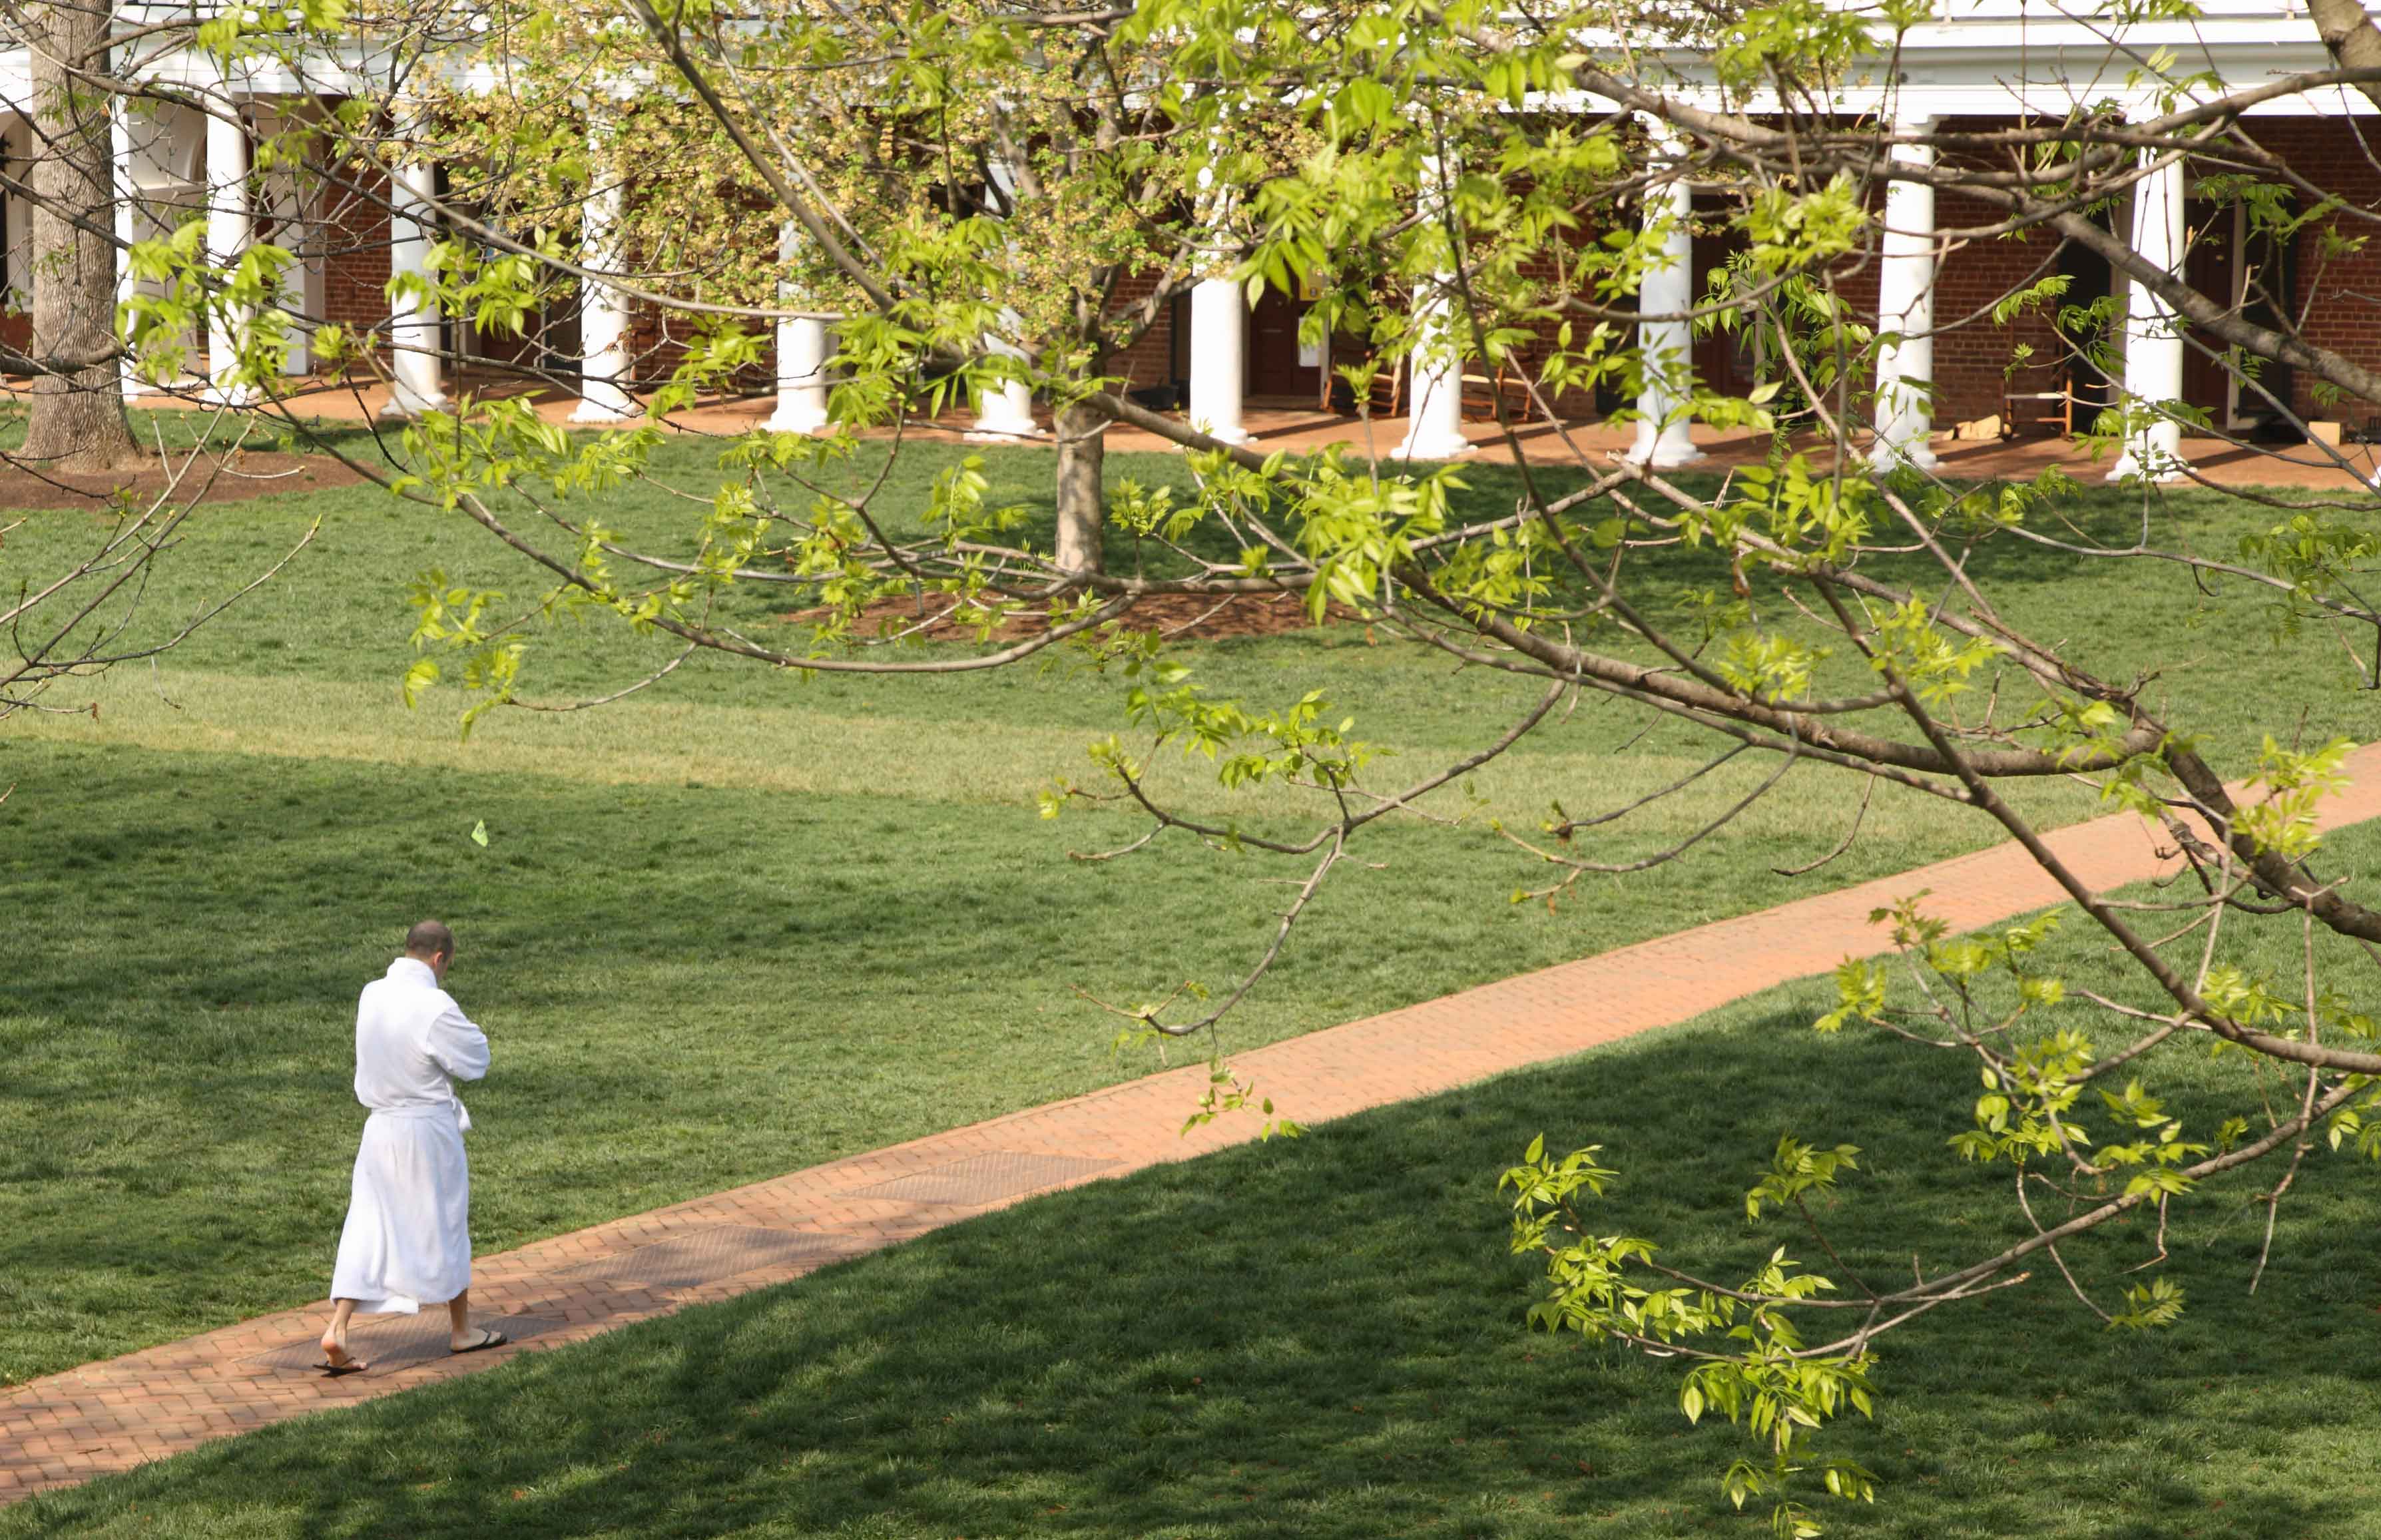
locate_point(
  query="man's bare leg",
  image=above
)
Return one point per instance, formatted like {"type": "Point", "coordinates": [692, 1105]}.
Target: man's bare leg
{"type": "Point", "coordinates": [335, 1340]}
{"type": "Point", "coordinates": [460, 1334]}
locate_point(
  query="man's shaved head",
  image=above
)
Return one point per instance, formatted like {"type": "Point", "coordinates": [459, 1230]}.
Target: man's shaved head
{"type": "Point", "coordinates": [429, 939]}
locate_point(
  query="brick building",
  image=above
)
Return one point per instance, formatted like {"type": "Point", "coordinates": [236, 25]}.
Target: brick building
{"type": "Point", "coordinates": [1981, 64]}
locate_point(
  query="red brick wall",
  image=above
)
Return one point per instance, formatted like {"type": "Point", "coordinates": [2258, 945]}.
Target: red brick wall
{"type": "Point", "coordinates": [355, 266]}
{"type": "Point", "coordinates": [1149, 359]}
{"type": "Point", "coordinates": [2339, 297]}
{"type": "Point", "coordinates": [1974, 353]}
{"type": "Point", "coordinates": [1547, 268]}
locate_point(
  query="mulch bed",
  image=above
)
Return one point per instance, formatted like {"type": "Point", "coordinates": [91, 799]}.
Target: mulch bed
{"type": "Point", "coordinates": [1185, 617]}
{"type": "Point", "coordinates": [205, 478]}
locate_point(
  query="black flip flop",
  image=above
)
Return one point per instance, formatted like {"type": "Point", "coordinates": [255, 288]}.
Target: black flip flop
{"type": "Point", "coordinates": [352, 1366]}
{"type": "Point", "coordinates": [489, 1338]}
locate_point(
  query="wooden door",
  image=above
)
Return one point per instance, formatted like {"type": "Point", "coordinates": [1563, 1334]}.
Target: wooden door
{"type": "Point", "coordinates": [1725, 361]}
{"type": "Point", "coordinates": [1277, 364]}
{"type": "Point", "coordinates": [2210, 267]}
{"type": "Point", "coordinates": [2084, 326]}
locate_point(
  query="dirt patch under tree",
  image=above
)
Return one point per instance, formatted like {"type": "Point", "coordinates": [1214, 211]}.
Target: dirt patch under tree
{"type": "Point", "coordinates": [202, 476]}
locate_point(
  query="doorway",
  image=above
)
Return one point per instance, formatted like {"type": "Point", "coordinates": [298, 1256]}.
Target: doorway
{"type": "Point", "coordinates": [1279, 365]}
{"type": "Point", "coordinates": [2253, 275]}
{"type": "Point", "coordinates": [2087, 328]}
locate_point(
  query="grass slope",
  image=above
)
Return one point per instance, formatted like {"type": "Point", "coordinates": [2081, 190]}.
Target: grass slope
{"type": "Point", "coordinates": [1324, 1339]}
{"type": "Point", "coordinates": [800, 921]}
{"type": "Point", "coordinates": [689, 987]}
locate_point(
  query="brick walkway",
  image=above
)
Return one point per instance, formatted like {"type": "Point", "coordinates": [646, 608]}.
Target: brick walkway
{"type": "Point", "coordinates": [112, 1416]}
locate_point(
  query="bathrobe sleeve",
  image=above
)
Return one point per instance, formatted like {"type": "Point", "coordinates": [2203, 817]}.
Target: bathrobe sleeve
{"type": "Point", "coordinates": [457, 1046]}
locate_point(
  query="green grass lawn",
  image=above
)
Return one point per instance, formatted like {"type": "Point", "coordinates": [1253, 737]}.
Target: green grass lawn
{"type": "Point", "coordinates": [1325, 1339]}
{"type": "Point", "coordinates": [741, 924]}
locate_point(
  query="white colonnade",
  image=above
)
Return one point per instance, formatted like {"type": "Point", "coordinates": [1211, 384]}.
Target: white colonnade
{"type": "Point", "coordinates": [1909, 265]}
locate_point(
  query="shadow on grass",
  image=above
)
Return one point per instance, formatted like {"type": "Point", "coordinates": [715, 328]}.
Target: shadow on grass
{"type": "Point", "coordinates": [1325, 1339]}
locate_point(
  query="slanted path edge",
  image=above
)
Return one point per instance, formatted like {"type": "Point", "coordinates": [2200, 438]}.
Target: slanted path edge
{"type": "Point", "coordinates": [113, 1415]}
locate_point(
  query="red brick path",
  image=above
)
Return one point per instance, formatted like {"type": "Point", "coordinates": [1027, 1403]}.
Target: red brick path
{"type": "Point", "coordinates": [112, 1416]}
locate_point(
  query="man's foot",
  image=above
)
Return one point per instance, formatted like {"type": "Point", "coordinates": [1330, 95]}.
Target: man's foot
{"type": "Point", "coordinates": [486, 1339]}
{"type": "Point", "coordinates": [337, 1361]}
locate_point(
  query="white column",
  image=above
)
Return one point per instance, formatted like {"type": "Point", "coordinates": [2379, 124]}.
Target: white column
{"type": "Point", "coordinates": [1434, 428]}
{"type": "Point", "coordinates": [603, 313]}
{"type": "Point", "coordinates": [1219, 322]}
{"type": "Point", "coordinates": [231, 226]}
{"type": "Point", "coordinates": [1219, 358]}
{"type": "Point", "coordinates": [1666, 348]}
{"type": "Point", "coordinates": [1905, 313]}
{"type": "Point", "coordinates": [2152, 332]}
{"type": "Point", "coordinates": [415, 337]}
{"type": "Point", "coordinates": [802, 351]}
{"type": "Point", "coordinates": [1005, 414]}
{"type": "Point", "coordinates": [119, 137]}
{"type": "Point", "coordinates": [1435, 367]}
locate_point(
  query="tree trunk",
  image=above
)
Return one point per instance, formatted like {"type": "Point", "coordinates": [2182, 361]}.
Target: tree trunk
{"type": "Point", "coordinates": [78, 422]}
{"type": "Point", "coordinates": [2349, 32]}
{"type": "Point", "coordinates": [1083, 503]}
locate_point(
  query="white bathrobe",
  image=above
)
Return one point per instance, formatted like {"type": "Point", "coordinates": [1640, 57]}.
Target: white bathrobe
{"type": "Point", "coordinates": [407, 1240]}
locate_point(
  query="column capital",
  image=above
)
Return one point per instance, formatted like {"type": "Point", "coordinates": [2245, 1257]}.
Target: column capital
{"type": "Point", "coordinates": [1904, 124]}
{"type": "Point", "coordinates": [1669, 143]}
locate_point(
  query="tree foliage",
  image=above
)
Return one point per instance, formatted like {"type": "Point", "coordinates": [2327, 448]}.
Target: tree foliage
{"type": "Point", "coordinates": [1016, 189]}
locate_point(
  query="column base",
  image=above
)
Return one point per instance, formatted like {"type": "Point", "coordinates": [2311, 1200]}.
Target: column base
{"type": "Point", "coordinates": [2150, 459]}
{"type": "Point", "coordinates": [1665, 456]}
{"type": "Point", "coordinates": [598, 412]}
{"type": "Point", "coordinates": [1885, 455]}
{"type": "Point", "coordinates": [1424, 443]}
{"type": "Point", "coordinates": [415, 398]}
{"type": "Point", "coordinates": [790, 418]}
{"type": "Point", "coordinates": [1232, 434]}
{"type": "Point", "coordinates": [1662, 448]}
{"type": "Point", "coordinates": [229, 396]}
{"type": "Point", "coordinates": [2128, 467]}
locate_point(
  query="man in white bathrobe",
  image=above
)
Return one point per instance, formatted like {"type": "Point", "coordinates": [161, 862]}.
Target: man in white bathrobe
{"type": "Point", "coordinates": [407, 1240]}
